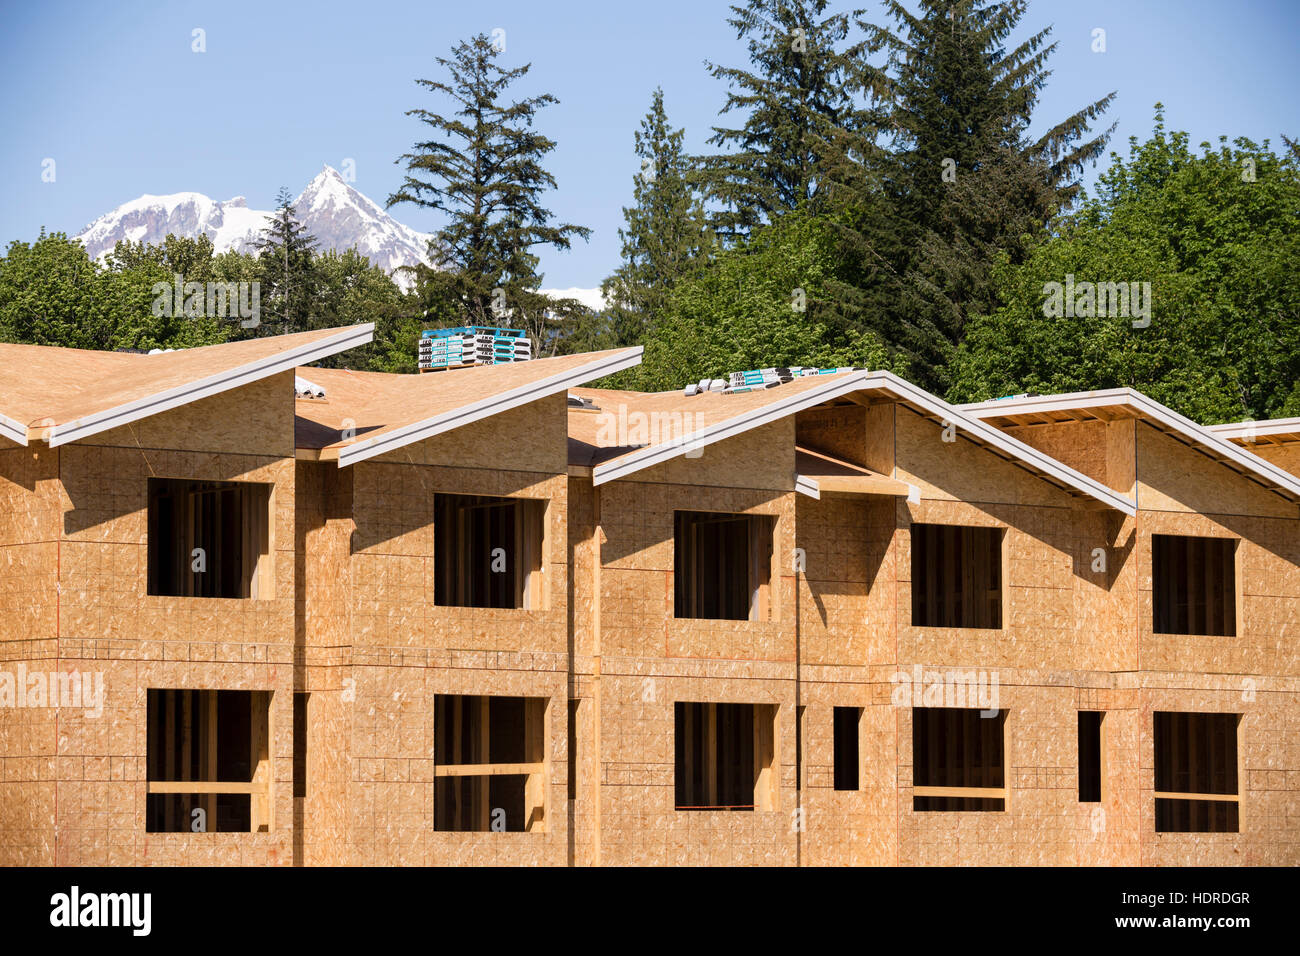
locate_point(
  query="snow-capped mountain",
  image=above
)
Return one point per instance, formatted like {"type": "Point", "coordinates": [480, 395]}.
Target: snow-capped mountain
{"type": "Point", "coordinates": [339, 216]}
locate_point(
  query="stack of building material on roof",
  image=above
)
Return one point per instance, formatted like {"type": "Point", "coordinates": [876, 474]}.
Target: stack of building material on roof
{"type": "Point", "coordinates": [756, 379]}
{"type": "Point", "coordinates": [472, 345]}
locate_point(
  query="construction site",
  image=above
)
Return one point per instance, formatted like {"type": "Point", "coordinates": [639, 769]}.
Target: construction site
{"type": "Point", "coordinates": [255, 612]}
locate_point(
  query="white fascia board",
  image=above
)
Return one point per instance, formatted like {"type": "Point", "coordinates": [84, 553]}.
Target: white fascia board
{"type": "Point", "coordinates": [1038, 404]}
{"type": "Point", "coordinates": [81, 428]}
{"type": "Point", "coordinates": [635, 461]}
{"type": "Point", "coordinates": [1272, 426]}
{"type": "Point", "coordinates": [13, 430]}
{"type": "Point", "coordinates": [1017, 449]}
{"type": "Point", "coordinates": [495, 405]}
{"type": "Point", "coordinates": [1209, 438]}
{"type": "Point", "coordinates": [807, 486]}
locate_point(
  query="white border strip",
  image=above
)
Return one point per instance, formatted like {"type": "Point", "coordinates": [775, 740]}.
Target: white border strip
{"type": "Point", "coordinates": [494, 405]}
{"type": "Point", "coordinates": [1151, 409]}
{"type": "Point", "coordinates": [211, 385]}
{"type": "Point", "coordinates": [860, 381]}
{"type": "Point", "coordinates": [1272, 426]}
{"type": "Point", "coordinates": [807, 486]}
{"type": "Point", "coordinates": [13, 430]}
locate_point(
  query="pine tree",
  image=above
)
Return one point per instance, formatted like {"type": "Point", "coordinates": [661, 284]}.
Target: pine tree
{"type": "Point", "coordinates": [666, 233]}
{"type": "Point", "coordinates": [803, 95]}
{"type": "Point", "coordinates": [964, 183]}
{"type": "Point", "coordinates": [288, 280]}
{"type": "Point", "coordinates": [482, 168]}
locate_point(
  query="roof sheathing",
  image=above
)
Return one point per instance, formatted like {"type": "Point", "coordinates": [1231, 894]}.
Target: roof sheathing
{"type": "Point", "coordinates": [1127, 403]}
{"type": "Point", "coordinates": [93, 392]}
{"type": "Point", "coordinates": [789, 399]}
{"type": "Point", "coordinates": [393, 434]}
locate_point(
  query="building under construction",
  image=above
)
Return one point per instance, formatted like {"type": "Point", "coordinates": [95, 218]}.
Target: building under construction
{"type": "Point", "coordinates": [254, 612]}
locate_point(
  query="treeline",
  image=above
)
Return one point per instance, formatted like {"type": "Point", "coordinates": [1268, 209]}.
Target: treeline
{"type": "Point", "coordinates": [874, 198]}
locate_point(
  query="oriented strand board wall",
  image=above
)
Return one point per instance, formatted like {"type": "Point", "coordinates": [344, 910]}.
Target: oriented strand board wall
{"type": "Point", "coordinates": [82, 510]}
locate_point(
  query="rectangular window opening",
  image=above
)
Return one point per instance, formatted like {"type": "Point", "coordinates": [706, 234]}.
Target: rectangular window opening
{"type": "Point", "coordinates": [725, 756]}
{"type": "Point", "coordinates": [1196, 772]}
{"type": "Point", "coordinates": [958, 759]}
{"type": "Point", "coordinates": [1091, 758]}
{"type": "Point", "coordinates": [956, 576]}
{"type": "Point", "coordinates": [1194, 585]}
{"type": "Point", "coordinates": [488, 552]}
{"type": "Point", "coordinates": [722, 566]}
{"type": "Point", "coordinates": [300, 744]}
{"type": "Point", "coordinates": [846, 732]}
{"type": "Point", "coordinates": [208, 761]}
{"type": "Point", "coordinates": [209, 539]}
{"type": "Point", "coordinates": [490, 771]}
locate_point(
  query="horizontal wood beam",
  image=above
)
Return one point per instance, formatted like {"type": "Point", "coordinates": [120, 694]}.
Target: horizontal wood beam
{"type": "Point", "coordinates": [1216, 797]}
{"type": "Point", "coordinates": [201, 786]}
{"type": "Point", "coordinates": [487, 769]}
{"type": "Point", "coordinates": [975, 793]}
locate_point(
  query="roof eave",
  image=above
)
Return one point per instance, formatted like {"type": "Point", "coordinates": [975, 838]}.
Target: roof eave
{"type": "Point", "coordinates": [494, 405]}
{"type": "Point", "coordinates": [81, 428]}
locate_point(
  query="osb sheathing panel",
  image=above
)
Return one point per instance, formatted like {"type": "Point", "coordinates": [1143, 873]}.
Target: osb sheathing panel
{"type": "Point", "coordinates": [847, 591]}
{"type": "Point", "coordinates": [1101, 450]}
{"type": "Point", "coordinates": [1284, 456]}
{"type": "Point", "coordinates": [531, 438]}
{"type": "Point", "coordinates": [391, 568]}
{"type": "Point", "coordinates": [1268, 588]}
{"type": "Point", "coordinates": [30, 523]}
{"type": "Point", "coordinates": [391, 784]}
{"type": "Point", "coordinates": [83, 774]}
{"type": "Point", "coordinates": [1174, 477]}
{"type": "Point", "coordinates": [1062, 607]}
{"type": "Point", "coordinates": [636, 578]}
{"type": "Point", "coordinates": [961, 470]}
{"type": "Point", "coordinates": [103, 557]}
{"type": "Point", "coordinates": [762, 457]}
{"type": "Point", "coordinates": [639, 825]}
{"type": "Point", "coordinates": [254, 419]}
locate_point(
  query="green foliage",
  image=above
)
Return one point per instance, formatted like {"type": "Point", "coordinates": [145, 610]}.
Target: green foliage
{"type": "Point", "coordinates": [1219, 251]}
{"type": "Point", "coordinates": [285, 254]}
{"type": "Point", "coordinates": [798, 103]}
{"type": "Point", "coordinates": [666, 234]}
{"type": "Point", "coordinates": [740, 312]}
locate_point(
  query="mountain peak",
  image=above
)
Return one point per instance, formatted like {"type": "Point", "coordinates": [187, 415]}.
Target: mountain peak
{"type": "Point", "coordinates": [331, 209]}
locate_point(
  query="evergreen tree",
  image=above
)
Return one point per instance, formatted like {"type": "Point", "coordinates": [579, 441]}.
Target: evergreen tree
{"type": "Point", "coordinates": [964, 182]}
{"type": "Point", "coordinates": [288, 280]}
{"type": "Point", "coordinates": [802, 96]}
{"type": "Point", "coordinates": [482, 168]}
{"type": "Point", "coordinates": [666, 233]}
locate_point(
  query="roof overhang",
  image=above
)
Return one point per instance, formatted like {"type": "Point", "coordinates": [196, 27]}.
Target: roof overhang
{"type": "Point", "coordinates": [81, 428]}
{"type": "Point", "coordinates": [1277, 431]}
{"type": "Point", "coordinates": [14, 431]}
{"type": "Point", "coordinates": [381, 444]}
{"type": "Point", "coordinates": [1109, 404]}
{"type": "Point", "coordinates": [893, 388]}
{"type": "Point", "coordinates": [817, 473]}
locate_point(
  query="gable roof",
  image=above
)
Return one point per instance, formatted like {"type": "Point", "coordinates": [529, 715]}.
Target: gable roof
{"type": "Point", "coordinates": [713, 416]}
{"type": "Point", "coordinates": [385, 411]}
{"type": "Point", "coordinates": [63, 395]}
{"type": "Point", "coordinates": [1117, 403]}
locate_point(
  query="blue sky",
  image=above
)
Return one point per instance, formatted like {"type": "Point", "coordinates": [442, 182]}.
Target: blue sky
{"type": "Point", "coordinates": [114, 94]}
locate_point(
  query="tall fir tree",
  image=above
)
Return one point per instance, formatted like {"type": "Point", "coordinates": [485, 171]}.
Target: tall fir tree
{"type": "Point", "coordinates": [666, 233]}
{"type": "Point", "coordinates": [481, 167]}
{"type": "Point", "coordinates": [287, 266]}
{"type": "Point", "coordinates": [964, 183]}
{"type": "Point", "coordinates": [803, 94]}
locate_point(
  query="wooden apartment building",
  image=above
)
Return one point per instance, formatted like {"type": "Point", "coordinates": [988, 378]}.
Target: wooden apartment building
{"type": "Point", "coordinates": [256, 612]}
